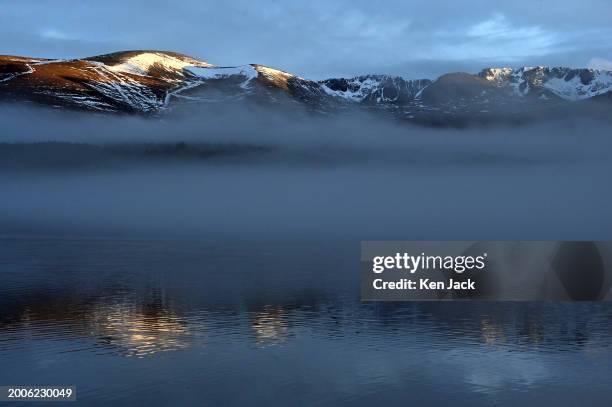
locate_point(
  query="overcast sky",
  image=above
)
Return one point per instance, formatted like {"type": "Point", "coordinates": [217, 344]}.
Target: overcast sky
{"type": "Point", "coordinates": [322, 38]}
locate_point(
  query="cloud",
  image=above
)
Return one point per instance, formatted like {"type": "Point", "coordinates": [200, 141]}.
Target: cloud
{"type": "Point", "coordinates": [54, 34]}
{"type": "Point", "coordinates": [498, 37]}
{"type": "Point", "coordinates": [600, 63]}
{"type": "Point", "coordinates": [499, 28]}
{"type": "Point", "coordinates": [320, 39]}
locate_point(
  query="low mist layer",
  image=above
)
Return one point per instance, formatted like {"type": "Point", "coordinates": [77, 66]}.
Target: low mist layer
{"type": "Point", "coordinates": [249, 173]}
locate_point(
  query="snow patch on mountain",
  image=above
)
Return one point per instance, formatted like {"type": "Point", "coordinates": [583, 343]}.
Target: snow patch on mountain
{"type": "Point", "coordinates": [566, 83]}
{"type": "Point", "coordinates": [9, 76]}
{"type": "Point", "coordinates": [374, 88]}
{"type": "Point", "coordinates": [126, 90]}
{"type": "Point", "coordinates": [141, 64]}
{"type": "Point", "coordinates": [575, 89]}
{"type": "Point", "coordinates": [246, 71]}
{"type": "Point", "coordinates": [357, 90]}
{"type": "Point", "coordinates": [91, 102]}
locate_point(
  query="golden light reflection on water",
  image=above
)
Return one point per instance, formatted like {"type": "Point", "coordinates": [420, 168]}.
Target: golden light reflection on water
{"type": "Point", "coordinates": [139, 333]}
{"type": "Point", "coordinates": [270, 326]}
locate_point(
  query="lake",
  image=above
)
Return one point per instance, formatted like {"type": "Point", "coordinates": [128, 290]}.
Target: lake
{"type": "Point", "coordinates": [178, 278]}
{"type": "Point", "coordinates": [204, 322]}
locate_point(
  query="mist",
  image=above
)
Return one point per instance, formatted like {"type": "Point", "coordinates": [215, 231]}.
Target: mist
{"type": "Point", "coordinates": [249, 173]}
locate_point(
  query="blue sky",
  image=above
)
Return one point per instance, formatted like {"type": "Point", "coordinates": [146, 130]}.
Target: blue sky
{"type": "Point", "coordinates": [318, 38]}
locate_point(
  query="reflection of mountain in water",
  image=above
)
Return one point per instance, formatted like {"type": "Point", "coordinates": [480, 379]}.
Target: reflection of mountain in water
{"type": "Point", "coordinates": [150, 297]}
{"type": "Point", "coordinates": [133, 330]}
{"type": "Point", "coordinates": [140, 332]}
{"type": "Point", "coordinates": [270, 326]}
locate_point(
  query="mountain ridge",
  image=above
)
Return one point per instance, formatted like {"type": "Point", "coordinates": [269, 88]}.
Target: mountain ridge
{"type": "Point", "coordinates": [153, 82]}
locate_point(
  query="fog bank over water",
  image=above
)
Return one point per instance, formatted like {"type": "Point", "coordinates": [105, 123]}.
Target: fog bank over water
{"type": "Point", "coordinates": [283, 127]}
{"type": "Point", "coordinates": [253, 174]}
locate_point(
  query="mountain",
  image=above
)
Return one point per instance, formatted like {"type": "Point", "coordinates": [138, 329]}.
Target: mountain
{"type": "Point", "coordinates": [544, 82]}
{"type": "Point", "coordinates": [155, 82]}
{"type": "Point", "coordinates": [375, 89]}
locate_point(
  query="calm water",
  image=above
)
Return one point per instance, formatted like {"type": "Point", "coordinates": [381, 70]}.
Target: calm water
{"type": "Point", "coordinates": [157, 322]}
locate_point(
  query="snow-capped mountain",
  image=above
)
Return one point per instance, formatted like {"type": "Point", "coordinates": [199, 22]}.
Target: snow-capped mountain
{"type": "Point", "coordinates": [375, 89]}
{"type": "Point", "coordinates": [153, 82]}
{"type": "Point", "coordinates": [565, 83]}
{"type": "Point", "coordinates": [141, 81]}
{"type": "Point", "coordinates": [121, 82]}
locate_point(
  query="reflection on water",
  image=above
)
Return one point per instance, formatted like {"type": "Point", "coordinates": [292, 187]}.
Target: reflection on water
{"type": "Point", "coordinates": [139, 332]}
{"type": "Point", "coordinates": [131, 321]}
{"type": "Point", "coordinates": [491, 333]}
{"type": "Point", "coordinates": [270, 326]}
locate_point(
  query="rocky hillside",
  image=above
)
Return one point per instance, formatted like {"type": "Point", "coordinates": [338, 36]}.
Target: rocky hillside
{"type": "Point", "coordinates": [153, 82]}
